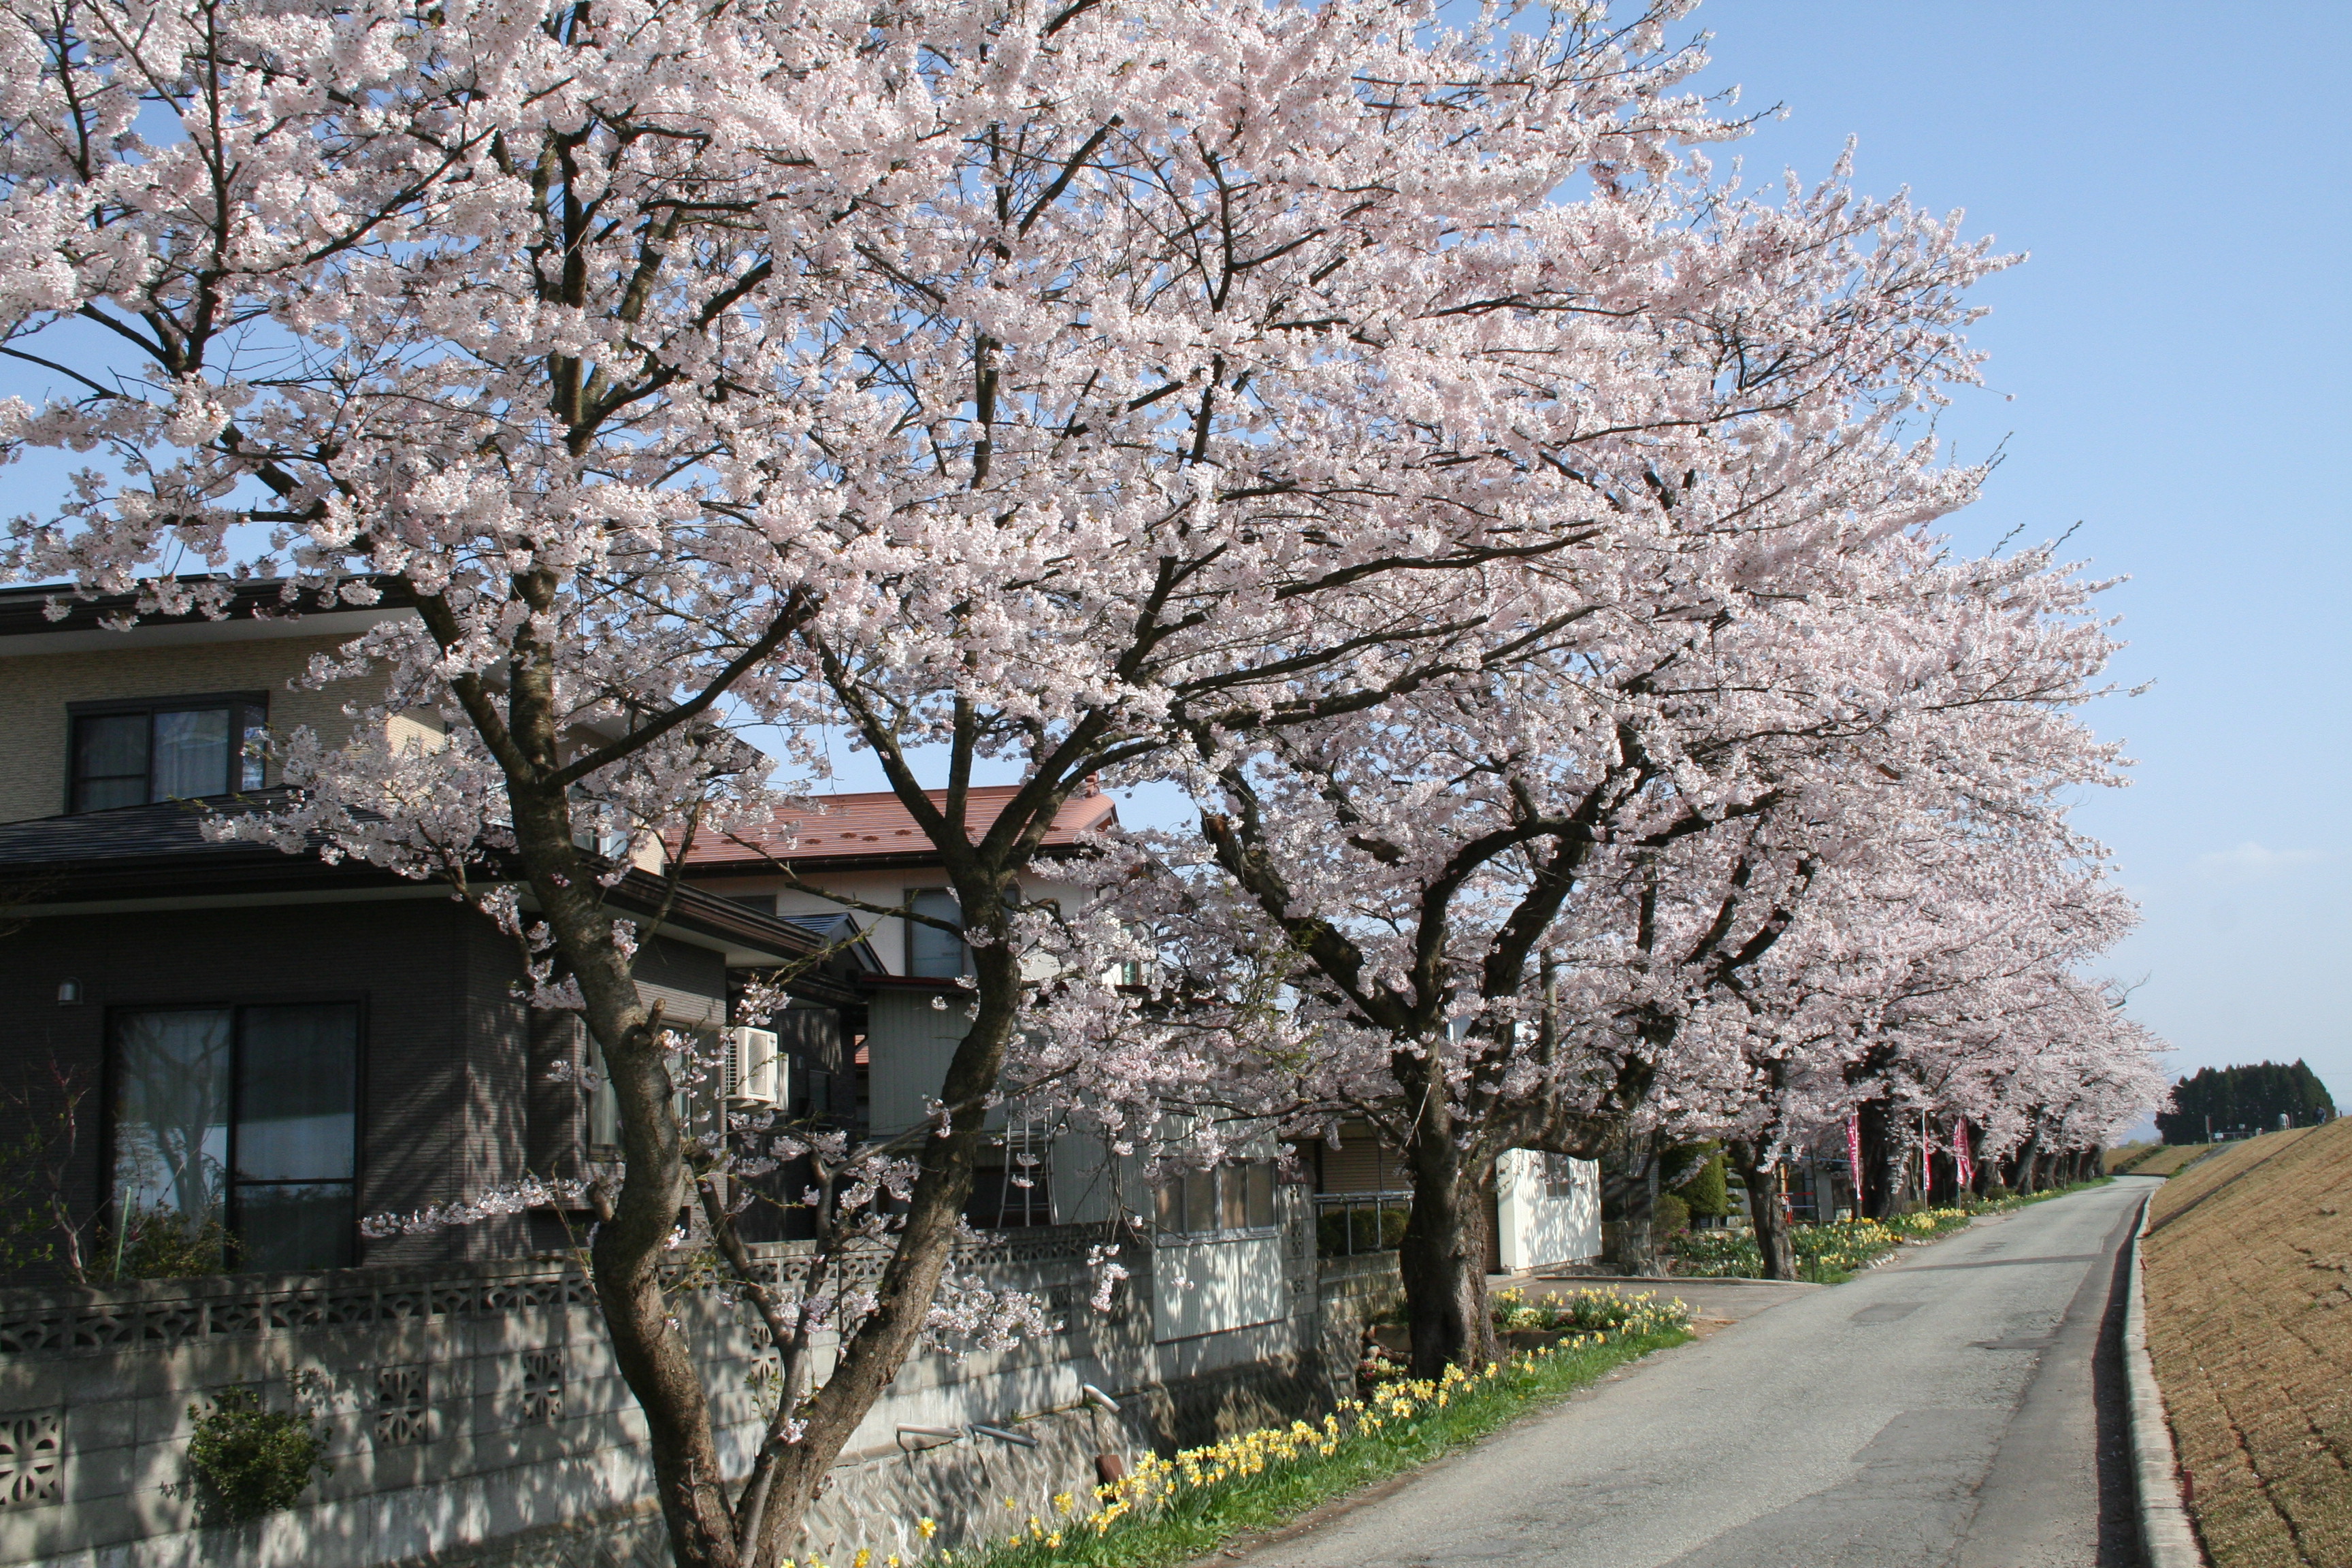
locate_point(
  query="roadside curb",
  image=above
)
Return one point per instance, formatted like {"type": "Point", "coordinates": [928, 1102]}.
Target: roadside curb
{"type": "Point", "coordinates": [2167, 1538]}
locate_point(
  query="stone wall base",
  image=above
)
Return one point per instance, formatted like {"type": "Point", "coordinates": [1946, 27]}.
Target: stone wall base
{"type": "Point", "coordinates": [964, 1486]}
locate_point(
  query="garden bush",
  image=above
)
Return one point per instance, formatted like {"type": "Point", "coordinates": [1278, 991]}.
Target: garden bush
{"type": "Point", "coordinates": [1672, 1215]}
{"type": "Point", "coordinates": [1708, 1192]}
{"type": "Point", "coordinates": [252, 1461]}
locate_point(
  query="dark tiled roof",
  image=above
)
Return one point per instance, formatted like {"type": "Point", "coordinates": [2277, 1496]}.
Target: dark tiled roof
{"type": "Point", "coordinates": [160, 850]}
{"type": "Point", "coordinates": [167, 829]}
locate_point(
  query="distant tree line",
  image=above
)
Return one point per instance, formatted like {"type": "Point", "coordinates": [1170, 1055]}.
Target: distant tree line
{"type": "Point", "coordinates": [2216, 1102]}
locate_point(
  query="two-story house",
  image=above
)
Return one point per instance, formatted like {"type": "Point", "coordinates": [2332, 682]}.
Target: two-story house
{"type": "Point", "coordinates": [1217, 1227]}
{"type": "Point", "coordinates": [1216, 1234]}
{"type": "Point", "coordinates": [261, 1047]}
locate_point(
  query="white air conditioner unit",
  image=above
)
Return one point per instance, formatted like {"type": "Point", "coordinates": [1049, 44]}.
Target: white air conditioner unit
{"type": "Point", "coordinates": [755, 1074]}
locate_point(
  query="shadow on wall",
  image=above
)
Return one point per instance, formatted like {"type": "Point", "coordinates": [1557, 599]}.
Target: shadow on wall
{"type": "Point", "coordinates": [1547, 1210]}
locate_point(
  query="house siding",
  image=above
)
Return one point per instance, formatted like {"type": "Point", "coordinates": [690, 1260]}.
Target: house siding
{"type": "Point", "coordinates": [444, 1050]}
{"type": "Point", "coordinates": [36, 690]}
{"type": "Point", "coordinates": [908, 1044]}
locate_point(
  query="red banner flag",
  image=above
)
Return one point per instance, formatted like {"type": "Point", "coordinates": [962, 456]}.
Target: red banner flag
{"type": "Point", "coordinates": [1965, 1167]}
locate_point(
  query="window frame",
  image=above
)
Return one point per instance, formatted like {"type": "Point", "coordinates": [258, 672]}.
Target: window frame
{"type": "Point", "coordinates": [911, 927]}
{"type": "Point", "coordinates": [1219, 1200]}
{"type": "Point", "coordinates": [1559, 1176]}
{"type": "Point", "coordinates": [248, 711]}
{"type": "Point", "coordinates": [109, 1086]}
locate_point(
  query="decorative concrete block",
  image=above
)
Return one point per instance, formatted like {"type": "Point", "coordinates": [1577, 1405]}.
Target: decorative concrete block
{"type": "Point", "coordinates": [32, 1460]}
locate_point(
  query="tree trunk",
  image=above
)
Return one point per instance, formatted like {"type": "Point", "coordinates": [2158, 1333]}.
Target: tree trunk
{"type": "Point", "coordinates": [922, 1248]}
{"type": "Point", "coordinates": [650, 1349]}
{"type": "Point", "coordinates": [624, 1261]}
{"type": "Point", "coordinates": [1895, 1181]}
{"type": "Point", "coordinates": [1773, 1239]}
{"type": "Point", "coordinates": [1635, 1187]}
{"type": "Point", "coordinates": [1442, 1260]}
{"type": "Point", "coordinates": [2029, 1158]}
{"type": "Point", "coordinates": [1878, 1186]}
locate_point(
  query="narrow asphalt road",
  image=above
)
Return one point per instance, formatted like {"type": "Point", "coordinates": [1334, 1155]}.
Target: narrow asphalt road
{"type": "Point", "coordinates": [1960, 1407]}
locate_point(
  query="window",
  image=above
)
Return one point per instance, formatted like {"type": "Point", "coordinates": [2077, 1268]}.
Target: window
{"type": "Point", "coordinates": [181, 748]}
{"type": "Point", "coordinates": [604, 1101]}
{"type": "Point", "coordinates": [765, 903]}
{"type": "Point", "coordinates": [1013, 1187]}
{"type": "Point", "coordinates": [1559, 1176]}
{"type": "Point", "coordinates": [604, 1107]}
{"type": "Point", "coordinates": [940, 955]}
{"type": "Point", "coordinates": [236, 1128]}
{"type": "Point", "coordinates": [1229, 1197]}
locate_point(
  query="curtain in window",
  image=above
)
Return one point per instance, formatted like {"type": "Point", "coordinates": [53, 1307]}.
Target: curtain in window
{"type": "Point", "coordinates": [171, 1115]}
{"type": "Point", "coordinates": [192, 750]}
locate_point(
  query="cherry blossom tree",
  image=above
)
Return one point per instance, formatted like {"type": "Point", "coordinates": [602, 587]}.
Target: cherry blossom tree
{"type": "Point", "coordinates": [1044, 385]}
{"type": "Point", "coordinates": [1901, 993]}
{"type": "Point", "coordinates": [1562, 897]}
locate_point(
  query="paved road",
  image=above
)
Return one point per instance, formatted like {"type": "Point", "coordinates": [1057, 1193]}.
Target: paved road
{"type": "Point", "coordinates": [1945, 1410]}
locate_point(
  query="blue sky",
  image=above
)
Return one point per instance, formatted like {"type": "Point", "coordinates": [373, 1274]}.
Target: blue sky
{"type": "Point", "coordinates": [2168, 377]}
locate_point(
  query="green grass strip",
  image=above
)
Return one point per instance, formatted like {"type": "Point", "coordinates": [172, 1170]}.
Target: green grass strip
{"type": "Point", "coordinates": [1835, 1252]}
{"type": "Point", "coordinates": [1198, 1518]}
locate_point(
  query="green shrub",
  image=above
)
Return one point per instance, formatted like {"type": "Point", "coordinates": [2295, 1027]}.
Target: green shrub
{"type": "Point", "coordinates": [164, 1244]}
{"type": "Point", "coordinates": [1671, 1217]}
{"type": "Point", "coordinates": [252, 1461]}
{"type": "Point", "coordinates": [1708, 1192]}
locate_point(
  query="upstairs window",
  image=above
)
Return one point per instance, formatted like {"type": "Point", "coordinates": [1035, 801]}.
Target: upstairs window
{"type": "Point", "coordinates": [179, 748]}
{"type": "Point", "coordinates": [930, 951]}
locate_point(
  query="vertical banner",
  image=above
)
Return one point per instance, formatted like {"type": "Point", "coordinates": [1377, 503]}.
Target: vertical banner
{"type": "Point", "coordinates": [1927, 1158]}
{"type": "Point", "coordinates": [1853, 1154]}
{"type": "Point", "coordinates": [1964, 1166]}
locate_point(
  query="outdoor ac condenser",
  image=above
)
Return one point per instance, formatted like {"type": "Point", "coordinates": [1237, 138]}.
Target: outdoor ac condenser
{"type": "Point", "coordinates": [755, 1074]}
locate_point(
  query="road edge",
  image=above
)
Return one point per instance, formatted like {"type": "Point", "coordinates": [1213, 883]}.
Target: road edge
{"type": "Point", "coordinates": [2167, 1538]}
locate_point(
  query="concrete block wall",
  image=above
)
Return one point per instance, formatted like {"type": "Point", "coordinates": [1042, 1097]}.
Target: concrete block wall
{"type": "Point", "coordinates": [497, 1477]}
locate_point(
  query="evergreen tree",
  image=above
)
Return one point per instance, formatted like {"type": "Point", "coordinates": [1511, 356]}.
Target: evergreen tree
{"type": "Point", "coordinates": [2215, 1103]}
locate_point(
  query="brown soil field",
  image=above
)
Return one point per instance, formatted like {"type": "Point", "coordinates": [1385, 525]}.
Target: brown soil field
{"type": "Point", "coordinates": [2167, 1159]}
{"type": "Point", "coordinates": [2249, 1260]}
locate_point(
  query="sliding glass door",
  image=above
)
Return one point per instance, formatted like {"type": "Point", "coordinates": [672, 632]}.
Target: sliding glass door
{"type": "Point", "coordinates": [236, 1134]}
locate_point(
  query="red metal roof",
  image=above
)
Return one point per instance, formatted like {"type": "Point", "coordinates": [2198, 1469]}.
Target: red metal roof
{"type": "Point", "coordinates": [873, 828]}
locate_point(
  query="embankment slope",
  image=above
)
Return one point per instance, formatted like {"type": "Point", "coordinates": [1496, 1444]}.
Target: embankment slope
{"type": "Point", "coordinates": [2249, 1270]}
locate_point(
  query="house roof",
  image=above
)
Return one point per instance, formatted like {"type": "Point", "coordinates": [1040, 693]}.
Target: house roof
{"type": "Point", "coordinates": [874, 830]}
{"type": "Point", "coordinates": [256, 608]}
{"type": "Point", "coordinates": [160, 851]}
{"type": "Point", "coordinates": [137, 851]}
